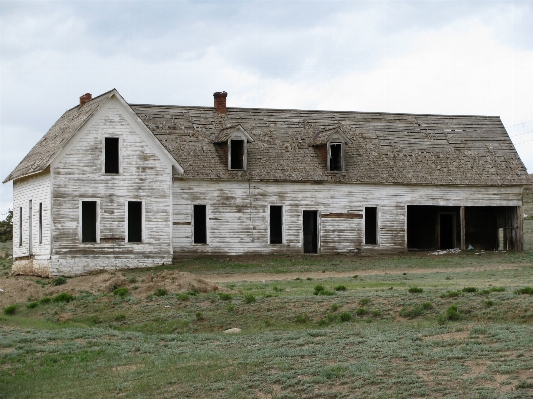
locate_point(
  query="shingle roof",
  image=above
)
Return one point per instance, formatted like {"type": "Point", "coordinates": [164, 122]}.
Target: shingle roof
{"type": "Point", "coordinates": [40, 156]}
{"type": "Point", "coordinates": [384, 148]}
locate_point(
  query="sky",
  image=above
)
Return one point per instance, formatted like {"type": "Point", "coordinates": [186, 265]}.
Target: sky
{"type": "Point", "coordinates": [439, 57]}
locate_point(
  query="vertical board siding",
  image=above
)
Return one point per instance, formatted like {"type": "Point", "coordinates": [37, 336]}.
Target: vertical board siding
{"type": "Point", "coordinates": [80, 175]}
{"type": "Point", "coordinates": [238, 213]}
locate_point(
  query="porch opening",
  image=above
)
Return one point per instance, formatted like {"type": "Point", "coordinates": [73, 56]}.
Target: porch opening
{"type": "Point", "coordinates": [310, 232]}
{"type": "Point", "coordinates": [276, 224]}
{"type": "Point", "coordinates": [135, 221]}
{"type": "Point", "coordinates": [200, 224]}
{"type": "Point", "coordinates": [480, 227]}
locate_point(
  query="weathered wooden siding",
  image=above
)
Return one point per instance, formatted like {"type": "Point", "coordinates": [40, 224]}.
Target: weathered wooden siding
{"type": "Point", "coordinates": [37, 189]}
{"type": "Point", "coordinates": [79, 175]}
{"type": "Point", "coordinates": [238, 213]}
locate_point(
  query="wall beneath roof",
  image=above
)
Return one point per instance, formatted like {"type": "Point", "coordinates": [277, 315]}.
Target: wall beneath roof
{"type": "Point", "coordinates": [238, 213]}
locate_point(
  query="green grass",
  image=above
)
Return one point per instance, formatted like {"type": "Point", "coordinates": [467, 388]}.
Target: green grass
{"type": "Point", "coordinates": [373, 339]}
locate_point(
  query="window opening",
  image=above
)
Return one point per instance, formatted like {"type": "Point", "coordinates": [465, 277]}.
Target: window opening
{"type": "Point", "coordinates": [371, 225]}
{"type": "Point", "coordinates": [335, 157]}
{"type": "Point", "coordinates": [200, 224]}
{"type": "Point", "coordinates": [135, 221]}
{"type": "Point", "coordinates": [20, 227]}
{"type": "Point", "coordinates": [111, 155]}
{"type": "Point", "coordinates": [30, 233]}
{"type": "Point", "coordinates": [237, 154]}
{"type": "Point", "coordinates": [40, 222]}
{"type": "Point", "coordinates": [276, 224]}
{"type": "Point", "coordinates": [88, 221]}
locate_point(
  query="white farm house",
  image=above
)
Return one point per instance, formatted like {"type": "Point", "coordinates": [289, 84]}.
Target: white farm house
{"type": "Point", "coordinates": [115, 185]}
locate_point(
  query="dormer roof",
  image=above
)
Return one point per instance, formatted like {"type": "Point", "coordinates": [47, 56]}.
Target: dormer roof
{"type": "Point", "coordinates": [227, 132]}
{"type": "Point", "coordinates": [334, 134]}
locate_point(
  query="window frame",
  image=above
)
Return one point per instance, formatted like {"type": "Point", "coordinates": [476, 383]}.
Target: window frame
{"type": "Point", "coordinates": [113, 136]}
{"type": "Point", "coordinates": [282, 225]}
{"type": "Point", "coordinates": [343, 164]}
{"type": "Point", "coordinates": [80, 226]}
{"type": "Point", "coordinates": [40, 222]}
{"type": "Point", "coordinates": [20, 227]}
{"type": "Point", "coordinates": [143, 224]}
{"type": "Point", "coordinates": [238, 137]}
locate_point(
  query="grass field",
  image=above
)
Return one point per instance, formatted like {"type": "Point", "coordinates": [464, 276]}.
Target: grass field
{"type": "Point", "coordinates": [402, 326]}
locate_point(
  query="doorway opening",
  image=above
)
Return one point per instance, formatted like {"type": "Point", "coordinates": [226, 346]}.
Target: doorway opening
{"type": "Point", "coordinates": [310, 232]}
{"type": "Point", "coordinates": [446, 231]}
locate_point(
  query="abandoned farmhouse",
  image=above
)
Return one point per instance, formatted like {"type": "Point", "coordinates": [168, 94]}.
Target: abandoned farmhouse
{"type": "Point", "coordinates": [116, 185]}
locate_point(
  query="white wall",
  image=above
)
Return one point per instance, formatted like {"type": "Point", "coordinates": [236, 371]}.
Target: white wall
{"type": "Point", "coordinates": [238, 213]}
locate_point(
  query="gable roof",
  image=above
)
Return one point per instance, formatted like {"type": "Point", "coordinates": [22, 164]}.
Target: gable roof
{"type": "Point", "coordinates": [384, 148]}
{"type": "Point", "coordinates": [46, 149]}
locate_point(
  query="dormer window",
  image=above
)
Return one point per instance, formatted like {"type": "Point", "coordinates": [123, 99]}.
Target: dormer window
{"type": "Point", "coordinates": [335, 157]}
{"type": "Point", "coordinates": [330, 143]}
{"type": "Point", "coordinates": [235, 140]}
{"type": "Point", "coordinates": [237, 154]}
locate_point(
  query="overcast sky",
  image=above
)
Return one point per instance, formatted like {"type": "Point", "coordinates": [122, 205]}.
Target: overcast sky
{"type": "Point", "coordinates": [442, 57]}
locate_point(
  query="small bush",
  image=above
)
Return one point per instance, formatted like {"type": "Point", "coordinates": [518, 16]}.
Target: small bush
{"type": "Point", "coordinates": [470, 289]}
{"type": "Point", "coordinates": [345, 316]}
{"type": "Point", "coordinates": [410, 312]}
{"type": "Point", "coordinates": [488, 303]}
{"type": "Point", "coordinates": [524, 291]}
{"type": "Point", "coordinates": [485, 292]}
{"type": "Point", "coordinates": [59, 281]}
{"type": "Point", "coordinates": [161, 292]}
{"type": "Point", "coordinates": [32, 305]}
{"type": "Point", "coordinates": [319, 289]}
{"type": "Point", "coordinates": [375, 313]}
{"type": "Point", "coordinates": [277, 289]}
{"type": "Point", "coordinates": [340, 288]}
{"type": "Point", "coordinates": [120, 317]}
{"type": "Point", "coordinates": [361, 312]}
{"type": "Point", "coordinates": [121, 292]}
{"type": "Point", "coordinates": [132, 279]}
{"type": "Point", "coordinates": [182, 296]}
{"type": "Point", "coordinates": [334, 307]}
{"type": "Point", "coordinates": [415, 290]}
{"type": "Point", "coordinates": [327, 292]}
{"type": "Point", "coordinates": [63, 297]}
{"type": "Point", "coordinates": [451, 294]}
{"type": "Point", "coordinates": [230, 308]}
{"type": "Point", "coordinates": [427, 306]}
{"type": "Point", "coordinates": [309, 278]}
{"type": "Point", "coordinates": [302, 318]}
{"type": "Point", "coordinates": [192, 293]}
{"type": "Point", "coordinates": [524, 385]}
{"type": "Point", "coordinates": [355, 276]}
{"type": "Point", "coordinates": [10, 310]}
{"type": "Point", "coordinates": [249, 298]}
{"type": "Point", "coordinates": [452, 313]}
{"type": "Point", "coordinates": [199, 316]}
{"type": "Point", "coordinates": [497, 289]}
{"type": "Point", "coordinates": [364, 301]}
{"type": "Point", "coordinates": [225, 297]}
{"type": "Point", "coordinates": [45, 300]}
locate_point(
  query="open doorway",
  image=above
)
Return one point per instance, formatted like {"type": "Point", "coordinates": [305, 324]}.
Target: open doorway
{"type": "Point", "coordinates": [310, 232]}
{"type": "Point", "coordinates": [447, 230]}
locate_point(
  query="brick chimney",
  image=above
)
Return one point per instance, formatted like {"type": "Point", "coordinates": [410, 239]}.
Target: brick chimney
{"type": "Point", "coordinates": [220, 101]}
{"type": "Point", "coordinates": [85, 98]}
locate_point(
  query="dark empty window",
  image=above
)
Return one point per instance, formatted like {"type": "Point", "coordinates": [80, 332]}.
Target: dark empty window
{"type": "Point", "coordinates": [335, 157]}
{"type": "Point", "coordinates": [200, 224]}
{"type": "Point", "coordinates": [20, 227]}
{"type": "Point", "coordinates": [237, 154]}
{"type": "Point", "coordinates": [135, 221]}
{"type": "Point", "coordinates": [40, 222]}
{"type": "Point", "coordinates": [276, 224]}
{"type": "Point", "coordinates": [111, 155]}
{"type": "Point", "coordinates": [371, 225]}
{"type": "Point", "coordinates": [88, 221]}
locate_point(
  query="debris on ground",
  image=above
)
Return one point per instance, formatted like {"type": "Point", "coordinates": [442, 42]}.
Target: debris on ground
{"type": "Point", "coordinates": [446, 251]}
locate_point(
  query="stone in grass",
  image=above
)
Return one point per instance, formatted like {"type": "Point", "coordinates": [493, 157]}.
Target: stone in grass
{"type": "Point", "coordinates": [232, 331]}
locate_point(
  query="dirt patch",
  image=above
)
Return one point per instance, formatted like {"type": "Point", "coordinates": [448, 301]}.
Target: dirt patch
{"type": "Point", "coordinates": [457, 335]}
{"type": "Point", "coordinates": [228, 278]}
{"type": "Point", "coordinates": [19, 289]}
